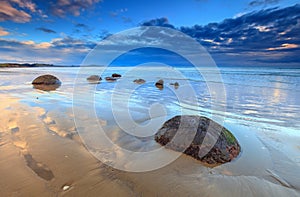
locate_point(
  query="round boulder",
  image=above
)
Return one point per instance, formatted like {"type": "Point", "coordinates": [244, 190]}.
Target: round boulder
{"type": "Point", "coordinates": [46, 83]}
{"type": "Point", "coordinates": [116, 75]}
{"type": "Point", "coordinates": [186, 134]}
{"type": "Point", "coordinates": [176, 85]}
{"type": "Point", "coordinates": [160, 84]}
{"type": "Point", "coordinates": [139, 81]}
{"type": "Point", "coordinates": [94, 79]}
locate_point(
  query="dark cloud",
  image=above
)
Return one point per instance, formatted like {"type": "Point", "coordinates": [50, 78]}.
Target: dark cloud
{"type": "Point", "coordinates": [271, 35]}
{"type": "Point", "coordinates": [72, 43]}
{"type": "Point", "coordinates": [46, 30]}
{"type": "Point", "coordinates": [161, 22]}
{"type": "Point", "coordinates": [262, 2]}
{"type": "Point", "coordinates": [74, 7]}
{"type": "Point", "coordinates": [82, 29]}
{"type": "Point", "coordinates": [103, 34]}
{"type": "Point", "coordinates": [81, 25]}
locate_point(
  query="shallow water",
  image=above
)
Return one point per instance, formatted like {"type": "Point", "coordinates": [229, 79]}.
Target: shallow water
{"type": "Point", "coordinates": [261, 109]}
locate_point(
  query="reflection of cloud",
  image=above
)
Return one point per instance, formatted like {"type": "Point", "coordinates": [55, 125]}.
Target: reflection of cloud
{"type": "Point", "coordinates": [278, 94]}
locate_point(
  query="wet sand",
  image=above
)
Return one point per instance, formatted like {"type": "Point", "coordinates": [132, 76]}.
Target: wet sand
{"type": "Point", "coordinates": [42, 154]}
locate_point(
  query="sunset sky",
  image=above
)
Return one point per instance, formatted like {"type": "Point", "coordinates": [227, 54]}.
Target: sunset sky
{"type": "Point", "coordinates": [237, 32]}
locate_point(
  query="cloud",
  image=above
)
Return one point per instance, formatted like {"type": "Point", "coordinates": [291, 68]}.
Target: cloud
{"type": "Point", "coordinates": [81, 25]}
{"type": "Point", "coordinates": [262, 2]}
{"type": "Point", "coordinates": [258, 37]}
{"type": "Point", "coordinates": [27, 4]}
{"type": "Point", "coordinates": [118, 12]}
{"type": "Point", "coordinates": [284, 47]}
{"type": "Point", "coordinates": [162, 22]}
{"type": "Point", "coordinates": [63, 50]}
{"type": "Point", "coordinates": [253, 36]}
{"type": "Point", "coordinates": [46, 30]}
{"type": "Point", "coordinates": [3, 32]}
{"type": "Point", "coordinates": [75, 7]}
{"type": "Point", "coordinates": [10, 13]}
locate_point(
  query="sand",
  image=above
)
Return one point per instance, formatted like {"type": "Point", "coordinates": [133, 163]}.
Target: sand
{"type": "Point", "coordinates": [41, 154]}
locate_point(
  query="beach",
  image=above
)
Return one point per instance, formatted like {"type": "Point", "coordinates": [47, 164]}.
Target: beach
{"type": "Point", "coordinates": [42, 152]}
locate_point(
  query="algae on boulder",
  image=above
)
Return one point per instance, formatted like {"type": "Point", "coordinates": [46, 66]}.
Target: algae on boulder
{"type": "Point", "coordinates": [186, 134]}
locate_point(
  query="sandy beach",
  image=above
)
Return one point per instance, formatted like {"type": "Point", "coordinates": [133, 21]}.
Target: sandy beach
{"type": "Point", "coordinates": [42, 153]}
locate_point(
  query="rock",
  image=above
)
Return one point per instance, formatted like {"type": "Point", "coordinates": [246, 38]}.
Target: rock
{"type": "Point", "coordinates": [160, 84]}
{"type": "Point", "coordinates": [110, 79]}
{"type": "Point", "coordinates": [66, 187]}
{"type": "Point", "coordinates": [94, 78]}
{"type": "Point", "coordinates": [139, 81]}
{"type": "Point", "coordinates": [190, 132]}
{"type": "Point", "coordinates": [46, 83]}
{"type": "Point", "coordinates": [115, 75]}
{"type": "Point", "coordinates": [176, 85]}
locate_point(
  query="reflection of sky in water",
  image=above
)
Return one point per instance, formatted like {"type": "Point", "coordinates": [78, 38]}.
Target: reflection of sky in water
{"type": "Point", "coordinates": [267, 96]}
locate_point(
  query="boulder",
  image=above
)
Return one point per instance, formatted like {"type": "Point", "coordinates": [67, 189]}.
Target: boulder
{"type": "Point", "coordinates": [176, 84]}
{"type": "Point", "coordinates": [160, 84]}
{"type": "Point", "coordinates": [186, 134]}
{"type": "Point", "coordinates": [139, 81]}
{"type": "Point", "coordinates": [110, 79]}
{"type": "Point", "coordinates": [46, 83]}
{"type": "Point", "coordinates": [94, 78]}
{"type": "Point", "coordinates": [115, 75]}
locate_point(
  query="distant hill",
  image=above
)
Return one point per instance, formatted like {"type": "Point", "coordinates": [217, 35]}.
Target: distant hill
{"type": "Point", "coordinates": [16, 65]}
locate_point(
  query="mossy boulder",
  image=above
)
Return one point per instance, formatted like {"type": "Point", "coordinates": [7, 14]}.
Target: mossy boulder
{"type": "Point", "coordinates": [186, 134]}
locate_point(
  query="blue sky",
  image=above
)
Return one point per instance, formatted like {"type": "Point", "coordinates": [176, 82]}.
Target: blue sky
{"type": "Point", "coordinates": [255, 32]}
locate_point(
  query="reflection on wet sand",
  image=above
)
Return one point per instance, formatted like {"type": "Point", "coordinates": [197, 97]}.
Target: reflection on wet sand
{"type": "Point", "coordinates": [46, 87]}
{"type": "Point", "coordinates": [67, 168]}
{"type": "Point", "coordinates": [40, 169]}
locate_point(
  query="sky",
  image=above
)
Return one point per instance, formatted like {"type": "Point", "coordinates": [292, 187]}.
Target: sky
{"type": "Point", "coordinates": [235, 32]}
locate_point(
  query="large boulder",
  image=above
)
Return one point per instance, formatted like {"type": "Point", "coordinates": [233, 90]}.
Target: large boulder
{"type": "Point", "coordinates": [190, 130]}
{"type": "Point", "coordinates": [46, 82]}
